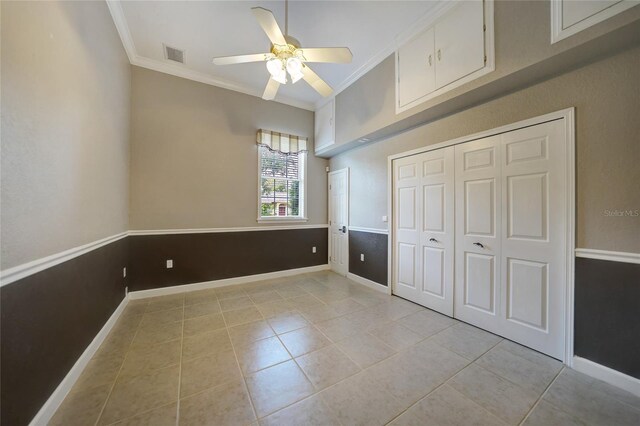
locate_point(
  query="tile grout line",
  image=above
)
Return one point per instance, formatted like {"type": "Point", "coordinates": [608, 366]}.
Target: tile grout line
{"type": "Point", "coordinates": [113, 385]}
{"type": "Point", "coordinates": [184, 301]}
{"type": "Point", "coordinates": [244, 379]}
{"type": "Point", "coordinates": [535, 404]}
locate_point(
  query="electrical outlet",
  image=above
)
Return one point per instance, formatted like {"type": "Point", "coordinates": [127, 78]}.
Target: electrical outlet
{"type": "Point", "coordinates": [326, 168]}
{"type": "Point", "coordinates": [124, 272]}
{"type": "Point", "coordinates": [385, 219]}
{"type": "Point", "coordinates": [361, 257]}
{"type": "Point", "coordinates": [313, 249]}
{"type": "Point", "coordinates": [169, 263]}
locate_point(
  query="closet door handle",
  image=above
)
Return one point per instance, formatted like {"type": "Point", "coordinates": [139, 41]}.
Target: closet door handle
{"type": "Point", "coordinates": [479, 245]}
{"type": "Point", "coordinates": [429, 60]}
{"type": "Point", "coordinates": [433, 240]}
{"type": "Point", "coordinates": [439, 55]}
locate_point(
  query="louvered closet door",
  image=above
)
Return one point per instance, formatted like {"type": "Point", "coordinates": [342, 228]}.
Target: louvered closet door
{"type": "Point", "coordinates": [478, 213]}
{"type": "Point", "coordinates": [533, 270]}
{"type": "Point", "coordinates": [425, 229]}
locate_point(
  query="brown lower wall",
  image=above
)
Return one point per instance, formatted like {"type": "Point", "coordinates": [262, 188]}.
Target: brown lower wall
{"type": "Point", "coordinates": [47, 321]}
{"type": "Point", "coordinates": [215, 256]}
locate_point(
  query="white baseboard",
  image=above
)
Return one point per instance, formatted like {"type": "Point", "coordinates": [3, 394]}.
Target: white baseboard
{"type": "Point", "coordinates": [368, 283]}
{"type": "Point", "coordinates": [143, 294]}
{"type": "Point", "coordinates": [606, 374]}
{"type": "Point", "coordinates": [49, 408]}
{"type": "Point", "coordinates": [614, 256]}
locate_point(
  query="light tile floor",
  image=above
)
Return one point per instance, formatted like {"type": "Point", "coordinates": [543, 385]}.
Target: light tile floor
{"type": "Point", "coordinates": [318, 349]}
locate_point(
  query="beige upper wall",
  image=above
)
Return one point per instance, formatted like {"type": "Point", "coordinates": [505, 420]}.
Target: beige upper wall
{"type": "Point", "coordinates": [194, 157]}
{"type": "Point", "coordinates": [523, 52]}
{"type": "Point", "coordinates": [606, 95]}
{"type": "Point", "coordinates": [65, 128]}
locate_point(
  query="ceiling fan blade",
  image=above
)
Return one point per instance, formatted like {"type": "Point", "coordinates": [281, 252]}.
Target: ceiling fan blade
{"type": "Point", "coordinates": [241, 59]}
{"type": "Point", "coordinates": [269, 24]}
{"type": "Point", "coordinates": [316, 82]}
{"type": "Point", "coordinates": [337, 55]}
{"type": "Point", "coordinates": [271, 90]}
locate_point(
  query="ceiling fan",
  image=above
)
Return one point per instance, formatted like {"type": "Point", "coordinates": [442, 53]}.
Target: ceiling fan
{"type": "Point", "coordinates": [286, 56]}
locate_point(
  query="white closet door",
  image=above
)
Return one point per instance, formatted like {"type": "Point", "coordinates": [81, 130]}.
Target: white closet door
{"type": "Point", "coordinates": [478, 218]}
{"type": "Point", "coordinates": [406, 199]}
{"type": "Point", "coordinates": [534, 237]}
{"type": "Point", "coordinates": [425, 228]}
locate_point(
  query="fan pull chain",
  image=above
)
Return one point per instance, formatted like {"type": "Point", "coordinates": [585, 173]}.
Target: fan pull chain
{"type": "Point", "coordinates": [286, 17]}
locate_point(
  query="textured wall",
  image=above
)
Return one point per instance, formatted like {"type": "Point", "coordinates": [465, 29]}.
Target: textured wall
{"type": "Point", "coordinates": [194, 158]}
{"type": "Point", "coordinates": [606, 95]}
{"type": "Point", "coordinates": [65, 128]}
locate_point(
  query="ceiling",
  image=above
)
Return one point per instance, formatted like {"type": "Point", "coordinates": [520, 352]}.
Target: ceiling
{"type": "Point", "coordinates": [206, 29]}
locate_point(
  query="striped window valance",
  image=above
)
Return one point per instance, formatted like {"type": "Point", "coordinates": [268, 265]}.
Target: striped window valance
{"type": "Point", "coordinates": [281, 142]}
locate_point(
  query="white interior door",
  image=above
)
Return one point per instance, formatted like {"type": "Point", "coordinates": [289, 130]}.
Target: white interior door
{"type": "Point", "coordinates": [477, 259]}
{"type": "Point", "coordinates": [339, 221]}
{"type": "Point", "coordinates": [424, 229]}
{"type": "Point", "coordinates": [534, 237]}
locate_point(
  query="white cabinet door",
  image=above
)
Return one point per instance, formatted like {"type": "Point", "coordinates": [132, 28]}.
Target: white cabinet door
{"type": "Point", "coordinates": [416, 72]}
{"type": "Point", "coordinates": [534, 236]}
{"type": "Point", "coordinates": [424, 225]}
{"type": "Point", "coordinates": [325, 126]}
{"type": "Point", "coordinates": [478, 214]}
{"type": "Point", "coordinates": [459, 42]}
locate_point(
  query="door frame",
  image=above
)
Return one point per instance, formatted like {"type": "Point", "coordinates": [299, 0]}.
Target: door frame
{"type": "Point", "coordinates": [568, 115]}
{"type": "Point", "coordinates": [333, 172]}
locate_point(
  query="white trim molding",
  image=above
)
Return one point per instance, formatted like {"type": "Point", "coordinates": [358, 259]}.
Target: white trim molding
{"type": "Point", "coordinates": [185, 288]}
{"type": "Point", "coordinates": [218, 230]}
{"type": "Point", "coordinates": [606, 374]}
{"type": "Point", "coordinates": [368, 283]}
{"type": "Point", "coordinates": [613, 256]}
{"type": "Point", "coordinates": [166, 67]}
{"type": "Point", "coordinates": [369, 230]}
{"type": "Point", "coordinates": [49, 408]}
{"type": "Point", "coordinates": [16, 273]}
{"type": "Point", "coordinates": [558, 32]}
{"type": "Point", "coordinates": [19, 272]}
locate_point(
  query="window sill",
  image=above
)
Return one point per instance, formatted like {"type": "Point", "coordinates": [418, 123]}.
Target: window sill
{"type": "Point", "coordinates": [282, 219]}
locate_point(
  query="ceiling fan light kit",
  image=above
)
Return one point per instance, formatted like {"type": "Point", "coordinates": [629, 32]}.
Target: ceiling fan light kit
{"type": "Point", "coordinates": [286, 56]}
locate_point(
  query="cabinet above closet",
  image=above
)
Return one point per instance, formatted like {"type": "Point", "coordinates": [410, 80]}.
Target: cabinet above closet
{"type": "Point", "coordinates": [457, 47]}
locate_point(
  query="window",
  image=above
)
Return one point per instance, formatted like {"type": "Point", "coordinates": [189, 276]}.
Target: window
{"type": "Point", "coordinates": [282, 187]}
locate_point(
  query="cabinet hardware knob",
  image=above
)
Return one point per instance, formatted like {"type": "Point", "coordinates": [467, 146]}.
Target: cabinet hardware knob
{"type": "Point", "coordinates": [479, 245]}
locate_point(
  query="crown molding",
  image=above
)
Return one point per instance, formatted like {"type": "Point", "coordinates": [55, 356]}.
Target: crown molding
{"type": "Point", "coordinates": [115, 8]}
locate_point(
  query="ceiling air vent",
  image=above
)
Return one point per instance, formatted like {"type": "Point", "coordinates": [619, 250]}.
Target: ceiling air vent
{"type": "Point", "coordinates": [173, 54]}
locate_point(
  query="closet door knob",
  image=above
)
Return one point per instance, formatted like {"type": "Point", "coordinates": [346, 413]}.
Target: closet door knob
{"type": "Point", "coordinates": [479, 245]}
{"type": "Point", "coordinates": [433, 240]}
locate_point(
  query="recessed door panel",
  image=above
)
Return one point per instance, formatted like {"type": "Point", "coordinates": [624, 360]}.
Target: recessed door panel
{"type": "Point", "coordinates": [433, 271]}
{"type": "Point", "coordinates": [479, 159]}
{"type": "Point", "coordinates": [407, 208]}
{"type": "Point", "coordinates": [479, 282]}
{"type": "Point", "coordinates": [406, 265]}
{"type": "Point", "coordinates": [433, 167]}
{"type": "Point", "coordinates": [527, 150]}
{"type": "Point", "coordinates": [434, 211]}
{"type": "Point", "coordinates": [527, 206]}
{"type": "Point", "coordinates": [527, 298]}
{"type": "Point", "coordinates": [479, 207]}
{"type": "Point", "coordinates": [407, 171]}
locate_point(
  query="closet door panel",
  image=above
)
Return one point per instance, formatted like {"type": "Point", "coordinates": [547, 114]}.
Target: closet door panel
{"type": "Point", "coordinates": [533, 236]}
{"type": "Point", "coordinates": [477, 253]}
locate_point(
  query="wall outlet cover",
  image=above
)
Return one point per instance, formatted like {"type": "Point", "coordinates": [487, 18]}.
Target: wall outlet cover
{"type": "Point", "coordinates": [124, 272]}
{"type": "Point", "coordinates": [313, 249]}
{"type": "Point", "coordinates": [169, 263]}
{"type": "Point", "coordinates": [361, 257]}
{"type": "Point", "coordinates": [385, 219]}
